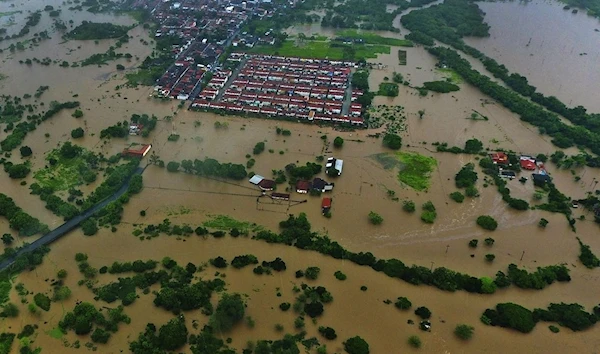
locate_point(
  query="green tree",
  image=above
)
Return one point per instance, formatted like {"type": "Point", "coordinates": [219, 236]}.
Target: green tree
{"type": "Point", "coordinates": [7, 239]}
{"type": "Point", "coordinates": [173, 166]}
{"type": "Point", "coordinates": [42, 301]}
{"type": "Point", "coordinates": [18, 171]}
{"type": "Point", "coordinates": [258, 148]}
{"type": "Point", "coordinates": [403, 303]}
{"type": "Point", "coordinates": [414, 341]}
{"type": "Point", "coordinates": [487, 222]}
{"type": "Point", "coordinates": [89, 227]}
{"type": "Point", "coordinates": [25, 151]}
{"type": "Point", "coordinates": [77, 133]}
{"type": "Point", "coordinates": [464, 332]}
{"type": "Point", "coordinates": [10, 310]}
{"type": "Point", "coordinates": [375, 218]}
{"type": "Point", "coordinates": [120, 67]}
{"type": "Point", "coordinates": [338, 142]}
{"type": "Point", "coordinates": [408, 206]}
{"type": "Point", "coordinates": [423, 312]}
{"type": "Point", "coordinates": [328, 332]}
{"type": "Point", "coordinates": [473, 146]}
{"type": "Point", "coordinates": [392, 141]}
{"type": "Point", "coordinates": [173, 334]}
{"type": "Point", "coordinates": [229, 311]}
{"type": "Point", "coordinates": [356, 345]}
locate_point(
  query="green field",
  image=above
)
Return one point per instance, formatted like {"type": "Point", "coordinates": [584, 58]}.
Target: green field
{"type": "Point", "coordinates": [373, 38]}
{"type": "Point", "coordinates": [65, 173]}
{"type": "Point", "coordinates": [415, 169]}
{"type": "Point", "coordinates": [452, 75]}
{"type": "Point", "coordinates": [226, 223]}
{"type": "Point", "coordinates": [319, 50]}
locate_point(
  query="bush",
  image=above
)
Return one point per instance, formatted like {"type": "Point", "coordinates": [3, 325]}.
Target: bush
{"type": "Point", "coordinates": [489, 241]}
{"type": "Point", "coordinates": [218, 262]}
{"type": "Point", "coordinates": [229, 311]}
{"type": "Point", "coordinates": [543, 223]}
{"type": "Point", "coordinates": [77, 133]}
{"type": "Point", "coordinates": [414, 341]}
{"type": "Point", "coordinates": [487, 222]}
{"type": "Point", "coordinates": [42, 301]}
{"type": "Point", "coordinates": [313, 309]}
{"type": "Point", "coordinates": [173, 166]}
{"type": "Point", "coordinates": [356, 345]}
{"type": "Point", "coordinates": [25, 151]}
{"type": "Point", "coordinates": [258, 148]}
{"type": "Point", "coordinates": [428, 217]}
{"type": "Point", "coordinates": [18, 171]}
{"type": "Point", "coordinates": [284, 306]}
{"type": "Point", "coordinates": [466, 177]}
{"type": "Point", "coordinates": [408, 206]}
{"type": "Point", "coordinates": [511, 316]}
{"type": "Point", "coordinates": [473, 146]}
{"type": "Point", "coordinates": [328, 332]}
{"type": "Point", "coordinates": [490, 257]}
{"type": "Point", "coordinates": [338, 142]}
{"type": "Point", "coordinates": [10, 310]}
{"type": "Point", "coordinates": [392, 141]}
{"type": "Point", "coordinates": [423, 312]}
{"type": "Point", "coordinates": [89, 227]}
{"type": "Point", "coordinates": [586, 256]}
{"type": "Point", "coordinates": [403, 303]}
{"type": "Point", "coordinates": [375, 218]}
{"type": "Point", "coordinates": [457, 197]}
{"type": "Point", "coordinates": [120, 67]}
{"type": "Point", "coordinates": [340, 276]}
{"type": "Point", "coordinates": [312, 273]}
{"type": "Point", "coordinates": [77, 114]}
{"type": "Point", "coordinates": [473, 243]}
{"type": "Point", "coordinates": [464, 332]}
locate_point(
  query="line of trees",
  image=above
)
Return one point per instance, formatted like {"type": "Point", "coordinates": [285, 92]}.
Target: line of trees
{"type": "Point", "coordinates": [211, 168]}
{"type": "Point", "coordinates": [19, 220]}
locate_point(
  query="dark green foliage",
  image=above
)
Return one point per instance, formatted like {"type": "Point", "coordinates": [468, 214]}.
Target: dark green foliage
{"type": "Point", "coordinates": [258, 148]}
{"type": "Point", "coordinates": [119, 130]}
{"type": "Point", "coordinates": [242, 261]}
{"type": "Point", "coordinates": [375, 218]}
{"type": "Point", "coordinates": [408, 206]}
{"type": "Point", "coordinates": [473, 146]}
{"type": "Point", "coordinates": [403, 303]}
{"type": "Point", "coordinates": [18, 220]}
{"type": "Point", "coordinates": [356, 345]}
{"type": "Point", "coordinates": [572, 316]}
{"type": "Point", "coordinates": [423, 312]}
{"type": "Point", "coordinates": [89, 227]}
{"type": "Point", "coordinates": [230, 310]}
{"type": "Point", "coordinates": [464, 332]}
{"type": "Point", "coordinates": [9, 310]}
{"type": "Point", "coordinates": [7, 239]}
{"type": "Point", "coordinates": [17, 171]}
{"type": "Point", "coordinates": [457, 197]}
{"type": "Point", "coordinates": [42, 301]}
{"type": "Point", "coordinates": [111, 184]}
{"type": "Point", "coordinates": [538, 279]}
{"type": "Point", "coordinates": [338, 142]}
{"type": "Point", "coordinates": [284, 306]}
{"type": "Point", "coordinates": [487, 222]}
{"type": "Point", "coordinates": [136, 183]}
{"type": "Point", "coordinates": [25, 151]}
{"type": "Point", "coordinates": [313, 309]}
{"type": "Point", "coordinates": [414, 341]}
{"type": "Point", "coordinates": [554, 329]}
{"type": "Point", "coordinates": [586, 256]}
{"type": "Point", "coordinates": [440, 86]}
{"type": "Point", "coordinates": [466, 177]}
{"type": "Point", "coordinates": [213, 168]}
{"type": "Point", "coordinates": [305, 172]}
{"type": "Point", "coordinates": [340, 276]}
{"type": "Point", "coordinates": [77, 133]}
{"type": "Point", "coordinates": [85, 316]}
{"type": "Point", "coordinates": [312, 273]}
{"type": "Point", "coordinates": [360, 80]}
{"type": "Point", "coordinates": [511, 316]}
{"type": "Point", "coordinates": [490, 257]}
{"type": "Point", "coordinates": [173, 334]}
{"type": "Point", "coordinates": [327, 332]}
{"type": "Point", "coordinates": [392, 141]}
{"type": "Point", "coordinates": [6, 340]}
{"type": "Point", "coordinates": [543, 223]}
{"type": "Point", "coordinates": [100, 336]}
{"type": "Point", "coordinates": [93, 30]}
{"type": "Point", "coordinates": [218, 262]}
{"type": "Point", "coordinates": [489, 241]}
{"type": "Point", "coordinates": [277, 264]}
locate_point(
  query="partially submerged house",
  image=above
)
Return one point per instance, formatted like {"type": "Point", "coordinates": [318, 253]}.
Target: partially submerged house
{"type": "Point", "coordinates": [326, 205]}
{"type": "Point", "coordinates": [262, 183]}
{"type": "Point", "coordinates": [499, 158]}
{"type": "Point", "coordinates": [540, 179]}
{"type": "Point", "coordinates": [527, 163]}
{"type": "Point", "coordinates": [139, 152]}
{"type": "Point", "coordinates": [302, 187]}
{"type": "Point", "coordinates": [508, 174]}
{"type": "Point", "coordinates": [321, 185]}
{"type": "Point", "coordinates": [334, 166]}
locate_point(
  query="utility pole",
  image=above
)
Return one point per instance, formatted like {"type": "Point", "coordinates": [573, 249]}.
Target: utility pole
{"type": "Point", "coordinates": [431, 269]}
{"type": "Point", "coordinates": [522, 255]}
{"type": "Point", "coordinates": [447, 246]}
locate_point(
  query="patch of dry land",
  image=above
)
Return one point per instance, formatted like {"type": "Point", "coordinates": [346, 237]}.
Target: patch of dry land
{"type": "Point", "coordinates": [231, 216]}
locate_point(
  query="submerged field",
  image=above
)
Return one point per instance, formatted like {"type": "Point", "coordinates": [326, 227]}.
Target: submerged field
{"type": "Point", "coordinates": [194, 219]}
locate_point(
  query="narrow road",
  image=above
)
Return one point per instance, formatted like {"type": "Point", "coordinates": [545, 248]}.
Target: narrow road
{"type": "Point", "coordinates": [348, 97]}
{"type": "Point", "coordinates": [69, 225]}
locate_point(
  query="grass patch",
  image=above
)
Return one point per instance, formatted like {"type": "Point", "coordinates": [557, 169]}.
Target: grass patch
{"type": "Point", "coordinates": [451, 75]}
{"type": "Point", "coordinates": [224, 222]}
{"type": "Point", "coordinates": [373, 38]}
{"type": "Point", "coordinates": [5, 287]}
{"type": "Point", "coordinates": [55, 333]}
{"type": "Point", "coordinates": [320, 50]}
{"type": "Point", "coordinates": [387, 161]}
{"type": "Point", "coordinates": [401, 57]}
{"type": "Point", "coordinates": [65, 173]}
{"type": "Point", "coordinates": [415, 170]}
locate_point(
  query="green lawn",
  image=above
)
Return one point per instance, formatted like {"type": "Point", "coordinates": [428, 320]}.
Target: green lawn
{"type": "Point", "coordinates": [452, 75]}
{"type": "Point", "coordinates": [374, 38]}
{"type": "Point", "coordinates": [65, 173]}
{"type": "Point", "coordinates": [226, 223]}
{"type": "Point", "coordinates": [319, 50]}
{"type": "Point", "coordinates": [415, 169]}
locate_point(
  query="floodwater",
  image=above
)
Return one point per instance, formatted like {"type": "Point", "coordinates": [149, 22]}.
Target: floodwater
{"type": "Point", "coordinates": [558, 51]}
{"type": "Point", "coordinates": [362, 188]}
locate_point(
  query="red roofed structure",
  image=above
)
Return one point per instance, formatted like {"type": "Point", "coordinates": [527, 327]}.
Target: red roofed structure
{"type": "Point", "coordinates": [499, 158]}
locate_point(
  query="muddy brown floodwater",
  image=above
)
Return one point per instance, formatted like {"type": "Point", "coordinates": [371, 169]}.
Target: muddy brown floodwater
{"type": "Point", "coordinates": [362, 188]}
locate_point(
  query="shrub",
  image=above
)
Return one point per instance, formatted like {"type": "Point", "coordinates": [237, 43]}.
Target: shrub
{"type": "Point", "coordinates": [487, 222]}
{"type": "Point", "coordinates": [338, 142]}
{"type": "Point", "coordinates": [61, 274]}
{"type": "Point", "coordinates": [340, 276]}
{"type": "Point", "coordinates": [457, 197]}
{"type": "Point", "coordinates": [464, 332]}
{"type": "Point", "coordinates": [375, 218]}
{"type": "Point", "coordinates": [553, 329]}
{"type": "Point", "coordinates": [543, 223]}
{"type": "Point", "coordinates": [42, 301]}
{"type": "Point", "coordinates": [489, 241]}
{"type": "Point", "coordinates": [258, 148]}
{"type": "Point", "coordinates": [473, 243]}
{"type": "Point", "coordinates": [414, 341]}
{"type": "Point", "coordinates": [77, 133]}
{"type": "Point", "coordinates": [356, 345]}
{"type": "Point", "coordinates": [328, 332]}
{"type": "Point", "coordinates": [586, 256]}
{"type": "Point", "coordinates": [313, 309]}
{"type": "Point", "coordinates": [312, 273]}
{"type": "Point", "coordinates": [423, 312]}
{"type": "Point", "coordinates": [77, 114]}
{"type": "Point", "coordinates": [511, 316]}
{"type": "Point", "coordinates": [466, 177]}
{"type": "Point", "coordinates": [403, 303]}
{"type": "Point", "coordinates": [428, 217]}
{"type": "Point", "coordinates": [408, 206]}
{"type": "Point", "coordinates": [89, 227]}
{"type": "Point", "coordinates": [490, 257]}
{"type": "Point", "coordinates": [120, 67]}
{"type": "Point", "coordinates": [25, 151]}
{"type": "Point", "coordinates": [173, 166]}
{"type": "Point", "coordinates": [473, 146]}
{"type": "Point", "coordinates": [229, 311]}
{"type": "Point", "coordinates": [392, 141]}
{"type": "Point", "coordinates": [218, 262]}
{"type": "Point", "coordinates": [10, 310]}
{"type": "Point", "coordinates": [284, 306]}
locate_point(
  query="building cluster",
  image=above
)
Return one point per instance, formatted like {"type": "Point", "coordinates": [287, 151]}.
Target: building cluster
{"type": "Point", "coordinates": [308, 89]}
{"type": "Point", "coordinates": [528, 163]}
